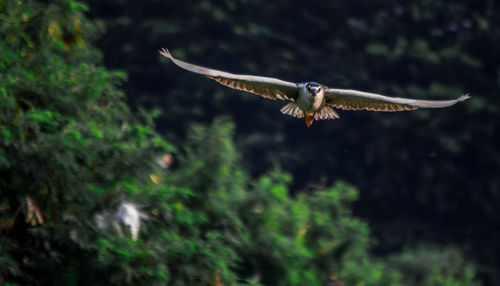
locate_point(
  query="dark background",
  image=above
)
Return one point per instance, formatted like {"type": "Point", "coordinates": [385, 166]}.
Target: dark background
{"type": "Point", "coordinates": [424, 176]}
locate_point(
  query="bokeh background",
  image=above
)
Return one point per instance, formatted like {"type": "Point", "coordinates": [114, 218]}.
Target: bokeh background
{"type": "Point", "coordinates": [408, 198]}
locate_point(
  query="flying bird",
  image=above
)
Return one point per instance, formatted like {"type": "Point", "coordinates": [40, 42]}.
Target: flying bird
{"type": "Point", "coordinates": [311, 100]}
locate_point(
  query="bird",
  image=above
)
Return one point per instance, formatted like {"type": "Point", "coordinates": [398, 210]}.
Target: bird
{"type": "Point", "coordinates": [311, 100]}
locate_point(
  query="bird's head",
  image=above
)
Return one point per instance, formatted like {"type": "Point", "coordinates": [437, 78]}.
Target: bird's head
{"type": "Point", "coordinates": [314, 89]}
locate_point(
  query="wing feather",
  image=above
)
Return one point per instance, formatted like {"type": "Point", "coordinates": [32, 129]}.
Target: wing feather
{"type": "Point", "coordinates": [358, 100]}
{"type": "Point", "coordinates": [267, 87]}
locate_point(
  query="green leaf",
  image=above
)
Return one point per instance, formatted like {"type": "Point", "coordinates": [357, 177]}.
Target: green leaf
{"type": "Point", "coordinates": [162, 274]}
{"type": "Point", "coordinates": [279, 191]}
{"type": "Point", "coordinates": [97, 190]}
{"type": "Point", "coordinates": [75, 6]}
{"type": "Point", "coordinates": [6, 134]}
{"type": "Point", "coordinates": [30, 75]}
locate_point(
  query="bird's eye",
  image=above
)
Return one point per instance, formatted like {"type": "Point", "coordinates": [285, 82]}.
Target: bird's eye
{"type": "Point", "coordinates": [319, 89]}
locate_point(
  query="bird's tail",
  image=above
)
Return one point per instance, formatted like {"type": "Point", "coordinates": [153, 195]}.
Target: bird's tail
{"type": "Point", "coordinates": [294, 110]}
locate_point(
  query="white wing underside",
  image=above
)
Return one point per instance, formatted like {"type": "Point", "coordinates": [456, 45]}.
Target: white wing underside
{"type": "Point", "coordinates": [267, 87]}
{"type": "Point", "coordinates": [358, 100]}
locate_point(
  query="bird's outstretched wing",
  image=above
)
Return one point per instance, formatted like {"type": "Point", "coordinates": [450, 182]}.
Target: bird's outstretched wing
{"type": "Point", "coordinates": [264, 86]}
{"type": "Point", "coordinates": [358, 100]}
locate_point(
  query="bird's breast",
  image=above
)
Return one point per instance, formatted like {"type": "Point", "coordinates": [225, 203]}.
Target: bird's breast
{"type": "Point", "coordinates": [309, 103]}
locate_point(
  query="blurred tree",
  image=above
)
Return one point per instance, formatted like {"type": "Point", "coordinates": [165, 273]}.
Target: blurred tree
{"type": "Point", "coordinates": [423, 175]}
{"type": "Point", "coordinates": [431, 265]}
{"type": "Point", "coordinates": [71, 150]}
{"type": "Point", "coordinates": [278, 239]}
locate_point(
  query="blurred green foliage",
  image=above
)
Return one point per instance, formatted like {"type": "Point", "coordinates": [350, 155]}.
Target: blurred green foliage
{"type": "Point", "coordinates": [432, 265]}
{"type": "Point", "coordinates": [71, 149]}
{"type": "Point", "coordinates": [424, 176]}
